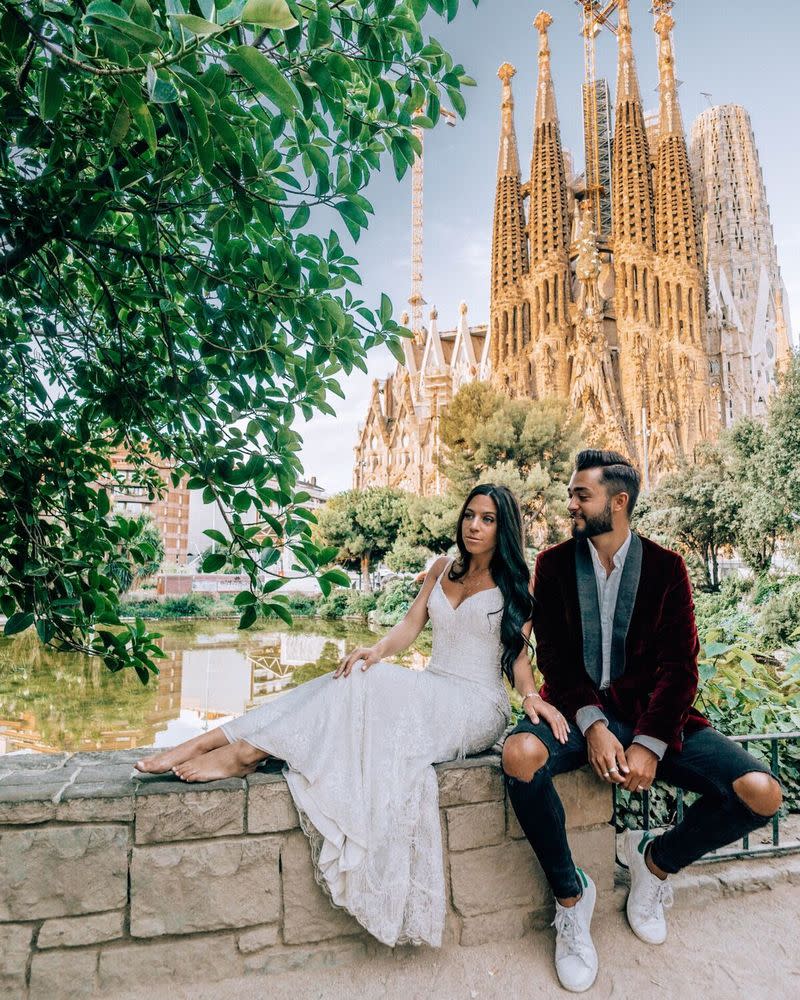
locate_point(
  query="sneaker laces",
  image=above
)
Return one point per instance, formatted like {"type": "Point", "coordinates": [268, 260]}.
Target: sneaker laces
{"type": "Point", "coordinates": [566, 925]}
{"type": "Point", "coordinates": [659, 896]}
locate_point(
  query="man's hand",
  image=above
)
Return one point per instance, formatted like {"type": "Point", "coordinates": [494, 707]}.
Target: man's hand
{"type": "Point", "coordinates": [606, 754]}
{"type": "Point", "coordinates": [642, 763]}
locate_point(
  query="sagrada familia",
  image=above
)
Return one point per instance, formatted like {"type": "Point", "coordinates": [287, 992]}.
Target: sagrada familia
{"type": "Point", "coordinates": [646, 292]}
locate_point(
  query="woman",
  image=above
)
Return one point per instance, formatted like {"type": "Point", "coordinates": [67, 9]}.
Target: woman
{"type": "Point", "coordinates": [359, 744]}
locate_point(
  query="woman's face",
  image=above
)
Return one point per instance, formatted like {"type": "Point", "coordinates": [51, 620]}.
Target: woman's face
{"type": "Point", "coordinates": [479, 525]}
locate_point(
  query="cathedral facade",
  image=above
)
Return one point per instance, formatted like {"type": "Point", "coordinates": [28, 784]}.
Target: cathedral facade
{"type": "Point", "coordinates": [645, 292]}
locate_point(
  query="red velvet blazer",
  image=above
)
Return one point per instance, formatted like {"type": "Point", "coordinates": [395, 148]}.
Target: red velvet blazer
{"type": "Point", "coordinates": [654, 679]}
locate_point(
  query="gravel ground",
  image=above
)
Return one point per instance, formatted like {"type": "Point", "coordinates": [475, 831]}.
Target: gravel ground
{"type": "Point", "coordinates": [744, 945]}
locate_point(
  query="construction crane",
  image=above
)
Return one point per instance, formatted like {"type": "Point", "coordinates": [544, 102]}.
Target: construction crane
{"type": "Point", "coordinates": [596, 16]}
{"type": "Point", "coordinates": [416, 300]}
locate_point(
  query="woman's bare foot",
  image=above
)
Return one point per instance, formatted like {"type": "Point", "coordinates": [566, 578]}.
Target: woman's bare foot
{"type": "Point", "coordinates": [160, 763]}
{"type": "Point", "coordinates": [232, 761]}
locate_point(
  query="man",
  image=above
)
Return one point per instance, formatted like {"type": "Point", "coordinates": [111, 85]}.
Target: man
{"type": "Point", "coordinates": [617, 645]}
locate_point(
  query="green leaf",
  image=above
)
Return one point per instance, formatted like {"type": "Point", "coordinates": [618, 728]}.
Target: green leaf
{"type": "Point", "coordinates": [197, 25]}
{"type": "Point", "coordinates": [265, 76]}
{"type": "Point", "coordinates": [249, 616]}
{"type": "Point", "coordinates": [216, 536]}
{"type": "Point", "coordinates": [51, 94]}
{"type": "Point", "coordinates": [244, 598]}
{"type": "Point", "coordinates": [214, 561]}
{"type": "Point", "coordinates": [269, 14]}
{"type": "Point", "coordinates": [112, 14]}
{"type": "Point", "coordinates": [18, 622]}
{"type": "Point", "coordinates": [300, 217]}
{"type": "Point", "coordinates": [121, 126]}
{"type": "Point", "coordinates": [279, 611]}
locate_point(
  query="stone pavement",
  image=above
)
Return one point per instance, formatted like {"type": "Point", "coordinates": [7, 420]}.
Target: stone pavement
{"type": "Point", "coordinates": [741, 945]}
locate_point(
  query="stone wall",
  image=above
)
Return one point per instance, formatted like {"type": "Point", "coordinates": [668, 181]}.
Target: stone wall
{"type": "Point", "coordinates": [107, 880]}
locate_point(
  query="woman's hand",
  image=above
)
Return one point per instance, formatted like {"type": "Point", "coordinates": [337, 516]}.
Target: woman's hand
{"type": "Point", "coordinates": [369, 654]}
{"type": "Point", "coordinates": [537, 708]}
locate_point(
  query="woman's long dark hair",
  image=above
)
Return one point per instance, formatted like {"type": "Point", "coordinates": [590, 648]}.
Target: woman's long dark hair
{"type": "Point", "coordinates": [508, 568]}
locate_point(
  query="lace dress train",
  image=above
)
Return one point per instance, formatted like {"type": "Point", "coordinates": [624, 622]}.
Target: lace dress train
{"type": "Point", "coordinates": [359, 752]}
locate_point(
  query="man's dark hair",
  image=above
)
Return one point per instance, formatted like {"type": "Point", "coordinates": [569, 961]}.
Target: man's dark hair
{"type": "Point", "coordinates": [619, 474]}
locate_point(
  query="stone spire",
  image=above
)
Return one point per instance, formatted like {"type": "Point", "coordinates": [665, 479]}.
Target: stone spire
{"type": "Point", "coordinates": [549, 215]}
{"type": "Point", "coordinates": [682, 335]}
{"type": "Point", "coordinates": [509, 243]}
{"type": "Point", "coordinates": [676, 225]}
{"type": "Point", "coordinates": [632, 189]}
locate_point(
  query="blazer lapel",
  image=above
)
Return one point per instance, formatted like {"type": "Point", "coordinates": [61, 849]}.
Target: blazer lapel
{"type": "Point", "coordinates": [626, 598]}
{"type": "Point", "coordinates": [590, 611]}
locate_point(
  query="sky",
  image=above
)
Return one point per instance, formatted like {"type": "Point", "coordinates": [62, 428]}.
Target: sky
{"type": "Point", "coordinates": [737, 52]}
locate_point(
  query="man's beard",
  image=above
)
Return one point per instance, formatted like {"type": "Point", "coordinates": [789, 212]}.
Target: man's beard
{"type": "Point", "coordinates": [600, 524]}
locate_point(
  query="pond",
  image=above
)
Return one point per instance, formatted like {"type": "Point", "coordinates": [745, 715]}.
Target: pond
{"type": "Point", "coordinates": [212, 672]}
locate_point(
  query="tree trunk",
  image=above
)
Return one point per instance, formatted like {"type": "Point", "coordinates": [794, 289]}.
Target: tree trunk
{"type": "Point", "coordinates": [366, 579]}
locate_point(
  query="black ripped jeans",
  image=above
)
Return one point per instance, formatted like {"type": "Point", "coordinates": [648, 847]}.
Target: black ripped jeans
{"type": "Point", "coordinates": [709, 764]}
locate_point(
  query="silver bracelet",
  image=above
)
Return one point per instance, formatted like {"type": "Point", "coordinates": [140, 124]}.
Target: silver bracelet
{"type": "Point", "coordinates": [530, 694]}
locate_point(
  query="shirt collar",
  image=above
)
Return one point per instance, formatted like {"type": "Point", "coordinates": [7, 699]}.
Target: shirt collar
{"type": "Point", "coordinates": [619, 556]}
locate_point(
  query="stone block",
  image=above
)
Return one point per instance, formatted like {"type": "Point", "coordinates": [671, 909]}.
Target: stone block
{"type": "Point", "coordinates": [501, 877]}
{"type": "Point", "coordinates": [513, 829]}
{"type": "Point", "coordinates": [168, 964]}
{"type": "Point", "coordinates": [751, 876]}
{"type": "Point", "coordinates": [257, 938]}
{"type": "Point", "coordinates": [504, 925]}
{"type": "Point", "coordinates": [465, 782]}
{"type": "Point", "coordinates": [593, 850]}
{"type": "Point", "coordinates": [308, 914]}
{"type": "Point", "coordinates": [185, 888]}
{"type": "Point", "coordinates": [57, 777]}
{"type": "Point", "coordinates": [62, 871]}
{"type": "Point", "coordinates": [63, 975]}
{"type": "Point", "coordinates": [108, 773]}
{"type": "Point", "coordinates": [275, 961]}
{"type": "Point", "coordinates": [23, 804]}
{"type": "Point", "coordinates": [15, 943]}
{"type": "Point", "coordinates": [90, 803]}
{"type": "Point", "coordinates": [189, 815]}
{"type": "Point", "coordinates": [72, 932]}
{"type": "Point", "coordinates": [270, 807]}
{"type": "Point", "coordinates": [692, 888]}
{"type": "Point", "coordinates": [37, 761]}
{"type": "Point", "coordinates": [479, 825]}
{"type": "Point", "coordinates": [587, 801]}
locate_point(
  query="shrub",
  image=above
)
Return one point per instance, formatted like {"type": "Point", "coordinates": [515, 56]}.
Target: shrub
{"type": "Point", "coordinates": [303, 605]}
{"type": "Point", "coordinates": [187, 606]}
{"type": "Point", "coordinates": [778, 621]}
{"type": "Point", "coordinates": [343, 603]}
{"type": "Point", "coordinates": [394, 601]}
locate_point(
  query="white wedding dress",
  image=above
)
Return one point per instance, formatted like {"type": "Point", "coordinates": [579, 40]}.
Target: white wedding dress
{"type": "Point", "coordinates": [359, 752]}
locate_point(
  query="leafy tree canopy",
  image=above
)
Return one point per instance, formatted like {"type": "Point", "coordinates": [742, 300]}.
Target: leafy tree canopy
{"type": "Point", "coordinates": [525, 444]}
{"type": "Point", "coordinates": [363, 525]}
{"type": "Point", "coordinates": [693, 508]}
{"type": "Point", "coordinates": [170, 173]}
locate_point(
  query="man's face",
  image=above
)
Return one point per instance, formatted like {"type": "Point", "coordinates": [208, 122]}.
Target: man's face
{"type": "Point", "coordinates": [590, 506]}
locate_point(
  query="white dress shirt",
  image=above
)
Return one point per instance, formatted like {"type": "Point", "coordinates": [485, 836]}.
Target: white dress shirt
{"type": "Point", "coordinates": [607, 593]}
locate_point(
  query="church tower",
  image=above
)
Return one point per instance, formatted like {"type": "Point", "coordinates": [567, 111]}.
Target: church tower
{"type": "Point", "coordinates": [510, 329]}
{"type": "Point", "coordinates": [548, 285]}
{"type": "Point", "coordinates": [681, 414]}
{"type": "Point", "coordinates": [634, 238]}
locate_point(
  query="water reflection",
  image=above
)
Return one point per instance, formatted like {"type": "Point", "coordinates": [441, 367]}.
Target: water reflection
{"type": "Point", "coordinates": [211, 673]}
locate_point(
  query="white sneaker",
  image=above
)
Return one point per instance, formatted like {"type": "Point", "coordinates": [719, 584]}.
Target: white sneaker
{"type": "Point", "coordinates": [649, 895]}
{"type": "Point", "coordinates": [576, 959]}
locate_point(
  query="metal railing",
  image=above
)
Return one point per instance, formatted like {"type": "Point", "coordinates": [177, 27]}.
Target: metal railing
{"type": "Point", "coordinates": [774, 848]}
